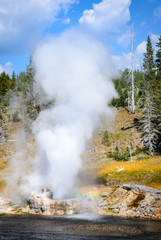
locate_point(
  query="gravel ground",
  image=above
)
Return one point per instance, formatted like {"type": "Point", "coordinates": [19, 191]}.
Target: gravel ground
{"type": "Point", "coordinates": [45, 227]}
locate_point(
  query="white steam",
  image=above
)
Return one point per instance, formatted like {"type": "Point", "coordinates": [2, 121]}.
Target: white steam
{"type": "Point", "coordinates": [73, 69]}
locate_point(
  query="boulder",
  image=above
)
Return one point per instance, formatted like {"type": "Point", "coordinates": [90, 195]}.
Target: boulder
{"type": "Point", "coordinates": [132, 200]}
{"type": "Point", "coordinates": [141, 188]}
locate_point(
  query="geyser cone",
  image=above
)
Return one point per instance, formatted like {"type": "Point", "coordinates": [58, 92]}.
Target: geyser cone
{"type": "Point", "coordinates": [43, 203]}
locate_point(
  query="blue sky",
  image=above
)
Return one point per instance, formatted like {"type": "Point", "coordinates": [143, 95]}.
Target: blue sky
{"type": "Point", "coordinates": [24, 23]}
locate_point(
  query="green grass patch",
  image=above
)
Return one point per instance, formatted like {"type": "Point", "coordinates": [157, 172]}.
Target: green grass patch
{"type": "Point", "coordinates": [143, 177]}
{"type": "Point", "coordinates": [2, 184]}
{"type": "Point", "coordinates": [143, 157]}
{"type": "Point", "coordinates": [3, 213]}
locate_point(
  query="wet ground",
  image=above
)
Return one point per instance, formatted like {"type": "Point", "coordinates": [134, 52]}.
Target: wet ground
{"type": "Point", "coordinates": [77, 227]}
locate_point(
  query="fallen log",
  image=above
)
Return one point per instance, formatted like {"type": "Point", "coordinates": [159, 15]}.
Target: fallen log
{"type": "Point", "coordinates": [126, 128]}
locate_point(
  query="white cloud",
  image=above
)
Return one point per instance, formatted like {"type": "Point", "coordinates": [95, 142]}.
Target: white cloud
{"type": "Point", "coordinates": [141, 48]}
{"type": "Point", "coordinates": [157, 12]}
{"type": "Point", "coordinates": [6, 68]}
{"type": "Point", "coordinates": [125, 38]}
{"type": "Point", "coordinates": [108, 15]}
{"type": "Point", "coordinates": [1, 68]}
{"type": "Point", "coordinates": [21, 21]}
{"type": "Point", "coordinates": [67, 21]}
{"type": "Point", "coordinates": [139, 55]}
{"type": "Point", "coordinates": [123, 61]}
{"type": "Point", "coordinates": [154, 38]}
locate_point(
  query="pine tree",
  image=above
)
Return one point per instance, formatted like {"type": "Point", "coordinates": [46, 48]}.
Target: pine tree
{"type": "Point", "coordinates": [13, 80]}
{"type": "Point", "coordinates": [148, 124]}
{"type": "Point", "coordinates": [158, 58]}
{"type": "Point", "coordinates": [149, 66]}
{"type": "Point", "coordinates": [21, 82]}
{"type": "Point", "coordinates": [139, 86]}
{"type": "Point", "coordinates": [30, 83]}
{"type": "Point", "coordinates": [157, 96]}
{"type": "Point", "coordinates": [4, 83]}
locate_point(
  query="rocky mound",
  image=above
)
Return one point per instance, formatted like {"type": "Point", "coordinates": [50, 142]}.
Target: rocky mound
{"type": "Point", "coordinates": [44, 204]}
{"type": "Point", "coordinates": [127, 200]}
{"type": "Point", "coordinates": [131, 201]}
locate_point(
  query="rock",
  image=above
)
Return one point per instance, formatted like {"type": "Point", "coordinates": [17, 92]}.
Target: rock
{"type": "Point", "coordinates": [141, 188]}
{"type": "Point", "coordinates": [47, 193]}
{"type": "Point", "coordinates": [143, 203]}
{"type": "Point", "coordinates": [121, 201]}
{"type": "Point", "coordinates": [43, 204]}
{"type": "Point", "coordinates": [117, 195]}
{"type": "Point", "coordinates": [129, 213]}
{"type": "Point", "coordinates": [8, 207]}
{"type": "Point", "coordinates": [114, 207]}
{"type": "Point", "coordinates": [110, 201]}
{"type": "Point", "coordinates": [149, 210]}
{"type": "Point", "coordinates": [140, 209]}
{"type": "Point", "coordinates": [137, 215]}
{"type": "Point", "coordinates": [115, 210]}
{"type": "Point", "coordinates": [101, 204]}
{"type": "Point", "coordinates": [132, 200]}
{"type": "Point", "coordinates": [104, 194]}
{"type": "Point", "coordinates": [152, 198]}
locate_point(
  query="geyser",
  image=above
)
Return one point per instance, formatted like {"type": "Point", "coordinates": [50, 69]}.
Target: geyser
{"type": "Point", "coordinates": [74, 70]}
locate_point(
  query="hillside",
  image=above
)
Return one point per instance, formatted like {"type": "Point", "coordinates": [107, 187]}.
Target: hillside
{"type": "Point", "coordinates": [139, 168]}
{"type": "Point", "coordinates": [99, 166]}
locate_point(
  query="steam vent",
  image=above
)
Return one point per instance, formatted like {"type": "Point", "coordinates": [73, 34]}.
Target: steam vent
{"type": "Point", "coordinates": [44, 204]}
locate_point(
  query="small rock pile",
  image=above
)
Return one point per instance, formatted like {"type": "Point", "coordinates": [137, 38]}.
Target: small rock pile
{"type": "Point", "coordinates": [131, 201]}
{"type": "Point", "coordinates": [7, 206]}
{"type": "Point", "coordinates": [128, 200]}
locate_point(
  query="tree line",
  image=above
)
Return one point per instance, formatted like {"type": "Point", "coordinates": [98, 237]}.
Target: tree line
{"type": "Point", "coordinates": [20, 91]}
{"type": "Point", "coordinates": [147, 95]}
{"type": "Point", "coordinates": [19, 99]}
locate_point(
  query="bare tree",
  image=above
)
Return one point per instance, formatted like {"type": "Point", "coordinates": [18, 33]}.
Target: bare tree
{"type": "Point", "coordinates": [148, 126]}
{"type": "Point", "coordinates": [132, 76]}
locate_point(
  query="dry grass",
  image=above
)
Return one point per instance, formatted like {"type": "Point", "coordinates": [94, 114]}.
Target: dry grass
{"type": "Point", "coordinates": [117, 137]}
{"type": "Point", "coordinates": [150, 165]}
{"type": "Point", "coordinates": [123, 138]}
{"type": "Point", "coordinates": [147, 171]}
{"type": "Point", "coordinates": [8, 150]}
{"type": "Point", "coordinates": [3, 164]}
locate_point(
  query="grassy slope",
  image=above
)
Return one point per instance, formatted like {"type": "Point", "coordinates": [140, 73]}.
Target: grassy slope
{"type": "Point", "coordinates": [8, 150]}
{"type": "Point", "coordinates": [145, 171]}
{"type": "Point", "coordinates": [95, 160]}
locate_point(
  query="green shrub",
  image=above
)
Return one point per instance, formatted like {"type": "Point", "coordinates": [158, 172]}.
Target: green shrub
{"type": "Point", "coordinates": [119, 156]}
{"type": "Point", "coordinates": [142, 157]}
{"type": "Point", "coordinates": [105, 138]}
{"type": "Point", "coordinates": [15, 117]}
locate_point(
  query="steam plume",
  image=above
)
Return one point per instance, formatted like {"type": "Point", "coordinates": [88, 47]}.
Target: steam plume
{"type": "Point", "coordinates": [75, 70]}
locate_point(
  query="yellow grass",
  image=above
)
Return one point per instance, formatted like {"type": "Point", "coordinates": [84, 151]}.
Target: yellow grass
{"type": "Point", "coordinates": [150, 165]}
{"type": "Point", "coordinates": [147, 172]}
